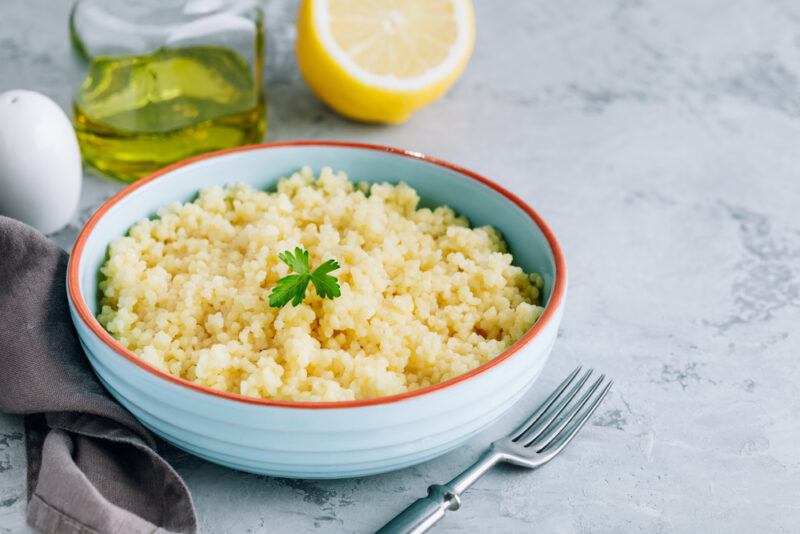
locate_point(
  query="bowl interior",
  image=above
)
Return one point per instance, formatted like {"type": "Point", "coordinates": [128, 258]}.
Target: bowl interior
{"type": "Point", "coordinates": [263, 166]}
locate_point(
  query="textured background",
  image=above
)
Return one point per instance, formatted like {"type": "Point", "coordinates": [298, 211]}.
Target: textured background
{"type": "Point", "coordinates": [661, 141]}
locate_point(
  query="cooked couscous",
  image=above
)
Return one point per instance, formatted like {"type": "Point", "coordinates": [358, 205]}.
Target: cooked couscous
{"type": "Point", "coordinates": [423, 297]}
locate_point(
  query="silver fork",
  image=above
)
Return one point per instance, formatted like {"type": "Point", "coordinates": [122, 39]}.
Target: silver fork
{"type": "Point", "coordinates": [537, 441]}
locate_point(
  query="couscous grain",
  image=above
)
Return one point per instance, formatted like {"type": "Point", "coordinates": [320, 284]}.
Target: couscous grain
{"type": "Point", "coordinates": [424, 297]}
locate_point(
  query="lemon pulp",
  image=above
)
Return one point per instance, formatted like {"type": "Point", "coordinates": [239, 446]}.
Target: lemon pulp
{"type": "Point", "coordinates": [381, 60]}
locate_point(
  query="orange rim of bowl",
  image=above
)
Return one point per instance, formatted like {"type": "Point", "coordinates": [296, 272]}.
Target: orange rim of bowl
{"type": "Point", "coordinates": [92, 323]}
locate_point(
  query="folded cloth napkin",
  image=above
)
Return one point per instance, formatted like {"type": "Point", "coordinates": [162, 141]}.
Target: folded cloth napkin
{"type": "Point", "coordinates": [91, 466]}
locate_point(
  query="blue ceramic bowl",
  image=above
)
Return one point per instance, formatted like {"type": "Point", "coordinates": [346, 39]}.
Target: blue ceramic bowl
{"type": "Point", "coordinates": [319, 440]}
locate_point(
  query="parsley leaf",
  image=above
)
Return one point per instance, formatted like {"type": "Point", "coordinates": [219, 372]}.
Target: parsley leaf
{"type": "Point", "coordinates": [293, 287]}
{"type": "Point", "coordinates": [327, 286]}
{"type": "Point", "coordinates": [298, 263]}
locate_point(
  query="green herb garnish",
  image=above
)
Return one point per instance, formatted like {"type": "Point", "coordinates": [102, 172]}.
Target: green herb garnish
{"type": "Point", "coordinates": [293, 287]}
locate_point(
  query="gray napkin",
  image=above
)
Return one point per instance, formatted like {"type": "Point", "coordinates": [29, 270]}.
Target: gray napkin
{"type": "Point", "coordinates": [91, 466]}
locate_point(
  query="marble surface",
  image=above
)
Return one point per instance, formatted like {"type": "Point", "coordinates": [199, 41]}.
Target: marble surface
{"type": "Point", "coordinates": [660, 140]}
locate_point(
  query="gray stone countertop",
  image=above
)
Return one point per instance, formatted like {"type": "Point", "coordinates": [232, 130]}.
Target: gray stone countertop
{"type": "Point", "coordinates": [661, 140]}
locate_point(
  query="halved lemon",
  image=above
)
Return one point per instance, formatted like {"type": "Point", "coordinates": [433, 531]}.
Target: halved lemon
{"type": "Point", "coordinates": [380, 60]}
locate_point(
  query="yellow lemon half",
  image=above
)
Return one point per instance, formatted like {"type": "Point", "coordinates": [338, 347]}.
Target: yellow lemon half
{"type": "Point", "coordinates": [380, 60]}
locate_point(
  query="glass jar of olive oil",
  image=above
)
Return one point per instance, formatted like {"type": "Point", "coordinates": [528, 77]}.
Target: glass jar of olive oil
{"type": "Point", "coordinates": [163, 80]}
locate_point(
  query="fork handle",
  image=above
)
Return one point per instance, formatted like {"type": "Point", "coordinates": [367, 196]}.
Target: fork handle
{"type": "Point", "coordinates": [426, 512]}
{"type": "Point", "coordinates": [423, 513]}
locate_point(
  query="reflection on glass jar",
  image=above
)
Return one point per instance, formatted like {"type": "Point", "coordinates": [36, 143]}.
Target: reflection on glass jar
{"type": "Point", "coordinates": [163, 80]}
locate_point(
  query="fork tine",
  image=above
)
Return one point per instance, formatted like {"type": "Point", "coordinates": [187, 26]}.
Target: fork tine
{"type": "Point", "coordinates": [555, 428]}
{"type": "Point", "coordinates": [545, 405]}
{"type": "Point", "coordinates": [562, 441]}
{"type": "Point", "coordinates": [550, 415]}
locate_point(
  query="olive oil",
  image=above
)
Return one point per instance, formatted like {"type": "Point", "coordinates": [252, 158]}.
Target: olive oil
{"type": "Point", "coordinates": [136, 114]}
